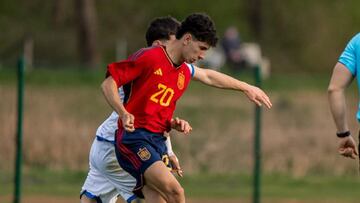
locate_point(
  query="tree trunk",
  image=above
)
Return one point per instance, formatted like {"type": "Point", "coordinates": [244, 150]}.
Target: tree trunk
{"type": "Point", "coordinates": [87, 32]}
{"type": "Point", "coordinates": [58, 12]}
{"type": "Point", "coordinates": [254, 17]}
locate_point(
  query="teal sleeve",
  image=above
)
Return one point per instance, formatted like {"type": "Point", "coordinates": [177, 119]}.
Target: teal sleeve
{"type": "Point", "coordinates": [348, 57]}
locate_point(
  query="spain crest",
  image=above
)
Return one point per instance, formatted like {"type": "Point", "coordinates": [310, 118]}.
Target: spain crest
{"type": "Point", "coordinates": [144, 154]}
{"type": "Point", "coordinates": [181, 80]}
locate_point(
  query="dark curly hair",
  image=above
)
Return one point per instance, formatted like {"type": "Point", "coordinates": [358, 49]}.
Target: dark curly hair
{"type": "Point", "coordinates": [161, 28]}
{"type": "Point", "coordinates": [201, 27]}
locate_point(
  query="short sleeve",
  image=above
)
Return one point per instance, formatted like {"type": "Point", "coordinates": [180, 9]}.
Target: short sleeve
{"type": "Point", "coordinates": [126, 71]}
{"type": "Point", "coordinates": [348, 57]}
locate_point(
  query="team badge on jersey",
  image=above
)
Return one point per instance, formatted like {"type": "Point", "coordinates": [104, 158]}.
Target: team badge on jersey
{"type": "Point", "coordinates": [181, 80]}
{"type": "Point", "coordinates": [158, 72]}
{"type": "Point", "coordinates": [144, 154]}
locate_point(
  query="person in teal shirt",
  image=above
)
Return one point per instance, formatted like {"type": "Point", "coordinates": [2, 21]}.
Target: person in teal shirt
{"type": "Point", "coordinates": [346, 69]}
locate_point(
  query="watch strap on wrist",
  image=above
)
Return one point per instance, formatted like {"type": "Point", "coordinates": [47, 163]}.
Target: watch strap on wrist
{"type": "Point", "coordinates": [343, 134]}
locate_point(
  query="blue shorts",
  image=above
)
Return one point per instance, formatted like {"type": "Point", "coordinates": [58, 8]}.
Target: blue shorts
{"type": "Point", "coordinates": [136, 151]}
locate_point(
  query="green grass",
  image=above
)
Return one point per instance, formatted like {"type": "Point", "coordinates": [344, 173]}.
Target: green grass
{"type": "Point", "coordinates": [273, 187]}
{"type": "Point", "coordinates": [47, 182]}
{"type": "Point", "coordinates": [214, 186]}
{"type": "Point", "coordinates": [55, 77]}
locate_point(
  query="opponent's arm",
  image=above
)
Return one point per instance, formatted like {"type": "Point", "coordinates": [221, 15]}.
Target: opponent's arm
{"type": "Point", "coordinates": [172, 157]}
{"type": "Point", "coordinates": [220, 80]}
{"type": "Point", "coordinates": [181, 125]}
{"type": "Point", "coordinates": [341, 78]}
{"type": "Point", "coordinates": [110, 91]}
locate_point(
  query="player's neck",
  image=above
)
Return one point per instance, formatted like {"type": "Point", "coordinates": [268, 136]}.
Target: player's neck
{"type": "Point", "coordinates": [173, 51]}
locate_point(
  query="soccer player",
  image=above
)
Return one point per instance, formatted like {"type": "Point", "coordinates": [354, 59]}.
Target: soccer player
{"type": "Point", "coordinates": [106, 179]}
{"type": "Point", "coordinates": [157, 77]}
{"type": "Point", "coordinates": [345, 70]}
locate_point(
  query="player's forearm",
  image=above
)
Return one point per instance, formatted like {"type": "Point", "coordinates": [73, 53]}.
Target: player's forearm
{"type": "Point", "coordinates": [110, 91]}
{"type": "Point", "coordinates": [220, 80]}
{"type": "Point", "coordinates": [341, 78]}
{"type": "Point", "coordinates": [337, 103]}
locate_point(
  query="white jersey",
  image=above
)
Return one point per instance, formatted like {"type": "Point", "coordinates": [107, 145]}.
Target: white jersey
{"type": "Point", "coordinates": [107, 129]}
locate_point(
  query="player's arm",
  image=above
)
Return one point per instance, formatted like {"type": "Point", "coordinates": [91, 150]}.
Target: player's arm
{"type": "Point", "coordinates": [111, 94]}
{"type": "Point", "coordinates": [341, 78]}
{"type": "Point", "coordinates": [118, 74]}
{"type": "Point", "coordinates": [220, 80]}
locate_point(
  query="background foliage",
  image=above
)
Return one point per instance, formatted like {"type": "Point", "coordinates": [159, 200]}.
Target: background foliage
{"type": "Point", "coordinates": [297, 36]}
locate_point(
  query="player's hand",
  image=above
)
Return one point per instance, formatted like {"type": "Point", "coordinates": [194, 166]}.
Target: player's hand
{"type": "Point", "coordinates": [181, 125]}
{"type": "Point", "coordinates": [128, 122]}
{"type": "Point", "coordinates": [176, 165]}
{"type": "Point", "coordinates": [257, 96]}
{"type": "Point", "coordinates": [347, 147]}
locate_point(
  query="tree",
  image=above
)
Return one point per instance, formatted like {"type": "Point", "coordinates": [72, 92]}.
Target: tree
{"type": "Point", "coordinates": [255, 18]}
{"type": "Point", "coordinates": [87, 32]}
{"type": "Point", "coordinates": [58, 12]}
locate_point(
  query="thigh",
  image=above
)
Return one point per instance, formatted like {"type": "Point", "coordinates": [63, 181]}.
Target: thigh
{"type": "Point", "coordinates": [96, 184]}
{"type": "Point", "coordinates": [159, 177]}
{"type": "Point", "coordinates": [152, 195]}
{"type": "Point", "coordinates": [136, 152]}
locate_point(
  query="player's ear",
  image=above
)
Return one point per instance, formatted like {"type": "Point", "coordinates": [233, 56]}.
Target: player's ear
{"type": "Point", "coordinates": [187, 38]}
{"type": "Point", "coordinates": [157, 43]}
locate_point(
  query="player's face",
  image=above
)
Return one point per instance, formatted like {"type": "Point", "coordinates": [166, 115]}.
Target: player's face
{"type": "Point", "coordinates": [194, 49]}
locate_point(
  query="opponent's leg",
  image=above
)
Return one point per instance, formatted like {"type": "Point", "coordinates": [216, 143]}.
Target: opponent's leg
{"type": "Point", "coordinates": [85, 199]}
{"type": "Point", "coordinates": [158, 177]}
{"type": "Point", "coordinates": [110, 197]}
{"type": "Point", "coordinates": [97, 188]}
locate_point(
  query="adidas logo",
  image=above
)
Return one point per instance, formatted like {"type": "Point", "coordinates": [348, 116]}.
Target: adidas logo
{"type": "Point", "coordinates": [158, 72]}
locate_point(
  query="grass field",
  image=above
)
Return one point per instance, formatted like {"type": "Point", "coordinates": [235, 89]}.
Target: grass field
{"type": "Point", "coordinates": [77, 76]}
{"type": "Point", "coordinates": [43, 183]}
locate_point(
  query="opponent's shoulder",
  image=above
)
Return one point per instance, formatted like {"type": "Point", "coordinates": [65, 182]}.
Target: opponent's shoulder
{"type": "Point", "coordinates": [146, 52]}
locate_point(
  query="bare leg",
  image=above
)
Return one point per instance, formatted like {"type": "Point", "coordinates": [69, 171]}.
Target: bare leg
{"type": "Point", "coordinates": [152, 196]}
{"type": "Point", "coordinates": [85, 199]}
{"type": "Point", "coordinates": [158, 177]}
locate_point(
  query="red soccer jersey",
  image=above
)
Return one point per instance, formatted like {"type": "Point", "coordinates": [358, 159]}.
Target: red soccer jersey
{"type": "Point", "coordinates": [155, 86]}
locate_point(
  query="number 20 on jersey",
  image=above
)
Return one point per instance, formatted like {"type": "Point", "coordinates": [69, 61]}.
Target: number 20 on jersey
{"type": "Point", "coordinates": [163, 96]}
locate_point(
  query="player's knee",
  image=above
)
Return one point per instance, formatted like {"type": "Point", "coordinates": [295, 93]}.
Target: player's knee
{"type": "Point", "coordinates": [179, 191]}
{"type": "Point", "coordinates": [176, 192]}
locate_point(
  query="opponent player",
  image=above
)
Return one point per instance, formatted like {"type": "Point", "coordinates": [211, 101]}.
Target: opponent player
{"type": "Point", "coordinates": [345, 70]}
{"type": "Point", "coordinates": [158, 77]}
{"type": "Point", "coordinates": [106, 179]}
